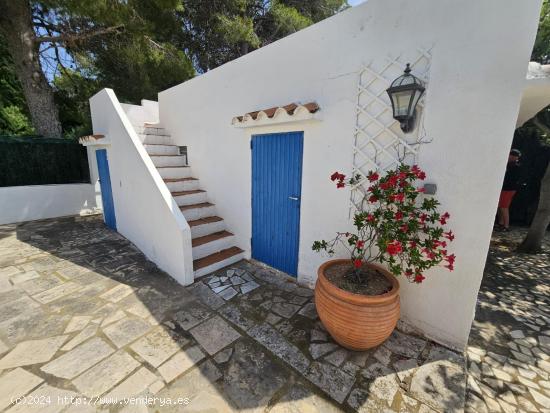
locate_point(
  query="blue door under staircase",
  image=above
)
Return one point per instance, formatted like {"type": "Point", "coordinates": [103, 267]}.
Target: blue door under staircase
{"type": "Point", "coordinates": [106, 191]}
{"type": "Point", "coordinates": [276, 191]}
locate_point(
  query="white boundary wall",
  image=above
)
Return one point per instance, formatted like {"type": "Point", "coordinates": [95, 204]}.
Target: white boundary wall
{"type": "Point", "coordinates": [145, 211]}
{"type": "Point", "coordinates": [477, 73]}
{"type": "Point", "coordinates": [28, 203]}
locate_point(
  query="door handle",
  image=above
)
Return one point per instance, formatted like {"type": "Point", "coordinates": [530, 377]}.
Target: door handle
{"type": "Point", "coordinates": [294, 198]}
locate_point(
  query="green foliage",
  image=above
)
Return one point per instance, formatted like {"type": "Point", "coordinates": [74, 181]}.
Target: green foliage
{"type": "Point", "coordinates": [541, 49]}
{"type": "Point", "coordinates": [14, 117]}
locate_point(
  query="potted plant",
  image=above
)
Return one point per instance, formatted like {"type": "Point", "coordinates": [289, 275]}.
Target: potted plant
{"type": "Point", "coordinates": [357, 299]}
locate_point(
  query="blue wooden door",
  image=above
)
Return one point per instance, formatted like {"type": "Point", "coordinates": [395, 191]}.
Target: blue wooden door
{"type": "Point", "coordinates": [276, 190]}
{"type": "Point", "coordinates": [106, 191]}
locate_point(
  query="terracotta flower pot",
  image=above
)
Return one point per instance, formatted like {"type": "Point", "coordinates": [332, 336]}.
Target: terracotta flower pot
{"type": "Point", "coordinates": [357, 322]}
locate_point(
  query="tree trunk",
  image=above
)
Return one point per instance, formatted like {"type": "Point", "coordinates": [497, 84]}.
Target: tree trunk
{"type": "Point", "coordinates": [532, 243]}
{"type": "Point", "coordinates": [17, 28]}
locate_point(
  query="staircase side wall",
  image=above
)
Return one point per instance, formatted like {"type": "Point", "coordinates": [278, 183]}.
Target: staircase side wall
{"type": "Point", "coordinates": [145, 211]}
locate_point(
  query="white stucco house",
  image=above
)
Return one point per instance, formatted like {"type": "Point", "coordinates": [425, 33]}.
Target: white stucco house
{"type": "Point", "coordinates": [263, 133]}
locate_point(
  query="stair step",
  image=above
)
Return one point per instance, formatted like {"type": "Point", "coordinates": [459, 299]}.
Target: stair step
{"type": "Point", "coordinates": [190, 197]}
{"type": "Point", "coordinates": [182, 184]}
{"type": "Point", "coordinates": [168, 160]}
{"type": "Point", "coordinates": [205, 226]}
{"type": "Point", "coordinates": [155, 139]}
{"type": "Point", "coordinates": [194, 206]}
{"type": "Point", "coordinates": [216, 258]}
{"type": "Point", "coordinates": [174, 172]}
{"type": "Point", "coordinates": [210, 237]}
{"type": "Point", "coordinates": [191, 192]}
{"type": "Point", "coordinates": [197, 211]}
{"type": "Point", "coordinates": [160, 149]}
{"type": "Point", "coordinates": [204, 221]}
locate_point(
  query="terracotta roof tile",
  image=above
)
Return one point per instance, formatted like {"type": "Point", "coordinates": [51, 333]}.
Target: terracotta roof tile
{"type": "Point", "coordinates": [290, 109]}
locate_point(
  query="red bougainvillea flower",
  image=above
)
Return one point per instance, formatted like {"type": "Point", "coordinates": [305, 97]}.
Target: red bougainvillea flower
{"type": "Point", "coordinates": [421, 190]}
{"type": "Point", "coordinates": [408, 273]}
{"type": "Point", "coordinates": [334, 176]}
{"type": "Point", "coordinates": [443, 219]}
{"type": "Point", "coordinates": [373, 198]}
{"type": "Point", "coordinates": [373, 176]}
{"type": "Point", "coordinates": [404, 228]}
{"type": "Point", "coordinates": [423, 217]}
{"type": "Point", "coordinates": [429, 253]}
{"type": "Point", "coordinates": [370, 218]}
{"type": "Point", "coordinates": [450, 267]}
{"type": "Point", "coordinates": [360, 244]}
{"type": "Point", "coordinates": [398, 215]}
{"type": "Point", "coordinates": [394, 247]}
{"type": "Point", "coordinates": [398, 197]}
{"type": "Point", "coordinates": [340, 184]}
{"type": "Point", "coordinates": [418, 278]}
{"type": "Point", "coordinates": [450, 259]}
{"type": "Point", "coordinates": [357, 263]}
{"type": "Point", "coordinates": [420, 174]}
{"type": "Point", "coordinates": [449, 235]}
{"type": "Point", "coordinates": [412, 244]}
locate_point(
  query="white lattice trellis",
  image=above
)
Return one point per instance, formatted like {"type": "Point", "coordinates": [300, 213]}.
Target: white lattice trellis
{"type": "Point", "coordinates": [379, 142]}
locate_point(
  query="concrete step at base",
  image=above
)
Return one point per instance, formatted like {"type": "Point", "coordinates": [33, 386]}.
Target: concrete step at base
{"type": "Point", "coordinates": [212, 243]}
{"type": "Point", "coordinates": [174, 172]}
{"type": "Point", "coordinates": [182, 184]}
{"type": "Point", "coordinates": [183, 198]}
{"type": "Point", "coordinates": [168, 160]}
{"type": "Point", "coordinates": [155, 139]}
{"type": "Point", "coordinates": [206, 226]}
{"type": "Point", "coordinates": [214, 262]}
{"type": "Point", "coordinates": [153, 149]}
{"type": "Point", "coordinates": [198, 211]}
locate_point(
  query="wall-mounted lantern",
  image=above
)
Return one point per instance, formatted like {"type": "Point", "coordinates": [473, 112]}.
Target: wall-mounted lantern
{"type": "Point", "coordinates": [404, 93]}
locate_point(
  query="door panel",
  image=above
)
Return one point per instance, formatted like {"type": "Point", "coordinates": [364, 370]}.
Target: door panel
{"type": "Point", "coordinates": [106, 191]}
{"type": "Point", "coordinates": [276, 191]}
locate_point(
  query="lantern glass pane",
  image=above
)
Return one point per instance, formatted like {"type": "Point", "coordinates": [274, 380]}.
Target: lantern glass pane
{"type": "Point", "coordinates": [414, 101]}
{"type": "Point", "coordinates": [401, 102]}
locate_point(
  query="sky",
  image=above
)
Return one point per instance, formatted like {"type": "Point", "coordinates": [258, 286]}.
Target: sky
{"type": "Point", "coordinates": [355, 2]}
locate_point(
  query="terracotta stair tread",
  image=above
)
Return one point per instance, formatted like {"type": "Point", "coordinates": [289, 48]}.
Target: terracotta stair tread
{"type": "Point", "coordinates": [179, 179]}
{"type": "Point", "coordinates": [191, 192]}
{"type": "Point", "coordinates": [203, 221]}
{"type": "Point", "coordinates": [210, 237]}
{"type": "Point", "coordinates": [216, 257]}
{"type": "Point", "coordinates": [194, 206]}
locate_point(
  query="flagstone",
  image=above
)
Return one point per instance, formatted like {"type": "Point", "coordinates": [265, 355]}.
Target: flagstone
{"type": "Point", "coordinates": [84, 335]}
{"type": "Point", "coordinates": [133, 385]}
{"type": "Point", "coordinates": [117, 293]}
{"type": "Point", "coordinates": [23, 276]}
{"type": "Point", "coordinates": [214, 334]}
{"type": "Point", "coordinates": [32, 352]}
{"type": "Point", "coordinates": [106, 374]}
{"type": "Point", "coordinates": [55, 293]}
{"type": "Point", "coordinates": [156, 347]}
{"type": "Point", "coordinates": [77, 323]}
{"type": "Point", "coordinates": [126, 330]}
{"type": "Point", "coordinates": [79, 359]}
{"type": "Point", "coordinates": [180, 363]}
{"type": "Point", "coordinates": [16, 383]}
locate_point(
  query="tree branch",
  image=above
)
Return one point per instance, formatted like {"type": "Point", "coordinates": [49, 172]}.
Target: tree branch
{"type": "Point", "coordinates": [72, 37]}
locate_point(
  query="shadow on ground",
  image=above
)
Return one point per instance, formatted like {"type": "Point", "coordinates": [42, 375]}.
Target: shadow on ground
{"type": "Point", "coordinates": [84, 313]}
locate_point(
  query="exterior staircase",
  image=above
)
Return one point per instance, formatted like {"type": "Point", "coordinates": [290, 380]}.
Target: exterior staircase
{"type": "Point", "coordinates": [213, 246]}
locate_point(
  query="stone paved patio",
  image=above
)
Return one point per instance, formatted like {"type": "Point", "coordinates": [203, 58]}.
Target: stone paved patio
{"type": "Point", "coordinates": [509, 349]}
{"type": "Point", "coordinates": [83, 314]}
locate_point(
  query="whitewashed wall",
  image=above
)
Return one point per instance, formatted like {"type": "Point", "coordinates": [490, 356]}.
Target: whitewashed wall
{"type": "Point", "coordinates": [478, 66]}
{"type": "Point", "coordinates": [145, 211]}
{"type": "Point", "coordinates": [28, 203]}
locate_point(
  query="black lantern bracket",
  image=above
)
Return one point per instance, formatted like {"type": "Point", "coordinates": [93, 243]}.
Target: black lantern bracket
{"type": "Point", "coordinates": [404, 93]}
